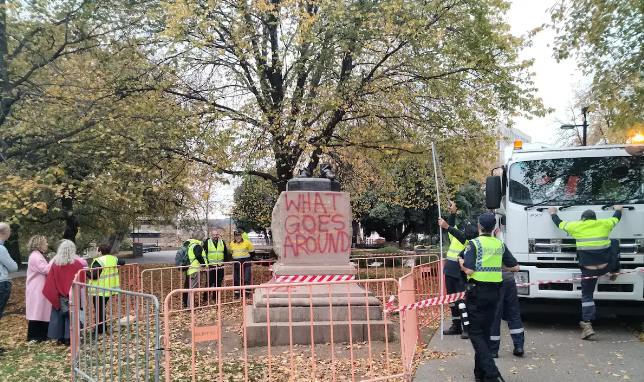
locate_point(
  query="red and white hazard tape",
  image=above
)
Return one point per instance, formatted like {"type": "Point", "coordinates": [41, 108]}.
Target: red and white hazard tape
{"type": "Point", "coordinates": [313, 278]}
{"type": "Point", "coordinates": [457, 296]}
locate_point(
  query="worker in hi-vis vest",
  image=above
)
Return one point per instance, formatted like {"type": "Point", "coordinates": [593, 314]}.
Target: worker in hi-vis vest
{"type": "Point", "coordinates": [452, 270]}
{"type": "Point", "coordinates": [216, 251]}
{"type": "Point", "coordinates": [107, 276]}
{"type": "Point", "coordinates": [484, 260]}
{"type": "Point", "coordinates": [196, 261]}
{"type": "Point", "coordinates": [240, 249]}
{"type": "Point", "coordinates": [595, 253]}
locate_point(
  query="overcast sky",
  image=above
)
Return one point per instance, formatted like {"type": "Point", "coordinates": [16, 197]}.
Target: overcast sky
{"type": "Point", "coordinates": [555, 81]}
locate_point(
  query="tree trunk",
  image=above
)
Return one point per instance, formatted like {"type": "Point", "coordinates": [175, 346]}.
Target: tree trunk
{"type": "Point", "coordinates": [71, 224]}
{"type": "Point", "coordinates": [404, 234]}
{"type": "Point", "coordinates": [12, 244]}
{"type": "Point", "coordinates": [115, 242]}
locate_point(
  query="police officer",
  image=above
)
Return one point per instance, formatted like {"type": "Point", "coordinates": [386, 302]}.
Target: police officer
{"type": "Point", "coordinates": [484, 259]}
{"type": "Point", "coordinates": [508, 310]}
{"type": "Point", "coordinates": [451, 271]}
{"type": "Point", "coordinates": [457, 243]}
{"type": "Point", "coordinates": [595, 256]}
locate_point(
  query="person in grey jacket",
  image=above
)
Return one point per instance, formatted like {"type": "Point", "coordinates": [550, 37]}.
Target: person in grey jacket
{"type": "Point", "coordinates": [6, 265]}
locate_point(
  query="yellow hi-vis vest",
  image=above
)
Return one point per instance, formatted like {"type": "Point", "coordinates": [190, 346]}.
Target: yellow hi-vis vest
{"type": "Point", "coordinates": [194, 263]}
{"type": "Point", "coordinates": [215, 253]}
{"type": "Point", "coordinates": [455, 247]}
{"type": "Point", "coordinates": [241, 250]}
{"type": "Point", "coordinates": [489, 260]}
{"type": "Point", "coordinates": [590, 234]}
{"type": "Point", "coordinates": [108, 277]}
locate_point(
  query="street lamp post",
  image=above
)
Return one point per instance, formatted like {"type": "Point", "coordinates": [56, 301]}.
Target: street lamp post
{"type": "Point", "coordinates": [584, 125]}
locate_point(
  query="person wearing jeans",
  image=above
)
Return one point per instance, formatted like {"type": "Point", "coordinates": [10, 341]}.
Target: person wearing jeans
{"type": "Point", "coordinates": [6, 265]}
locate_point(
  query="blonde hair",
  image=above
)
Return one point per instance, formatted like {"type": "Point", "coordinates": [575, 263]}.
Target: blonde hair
{"type": "Point", "coordinates": [35, 242]}
{"type": "Point", "coordinates": [65, 254]}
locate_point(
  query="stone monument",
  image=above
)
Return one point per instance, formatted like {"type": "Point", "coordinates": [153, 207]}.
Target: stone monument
{"type": "Point", "coordinates": [311, 228]}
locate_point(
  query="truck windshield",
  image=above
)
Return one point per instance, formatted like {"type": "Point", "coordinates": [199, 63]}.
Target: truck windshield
{"type": "Point", "coordinates": [577, 180]}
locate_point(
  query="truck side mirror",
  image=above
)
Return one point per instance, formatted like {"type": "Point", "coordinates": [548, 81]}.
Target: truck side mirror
{"type": "Point", "coordinates": [493, 192]}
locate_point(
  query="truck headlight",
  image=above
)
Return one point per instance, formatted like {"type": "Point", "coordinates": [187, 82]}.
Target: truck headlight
{"type": "Point", "coordinates": [522, 277]}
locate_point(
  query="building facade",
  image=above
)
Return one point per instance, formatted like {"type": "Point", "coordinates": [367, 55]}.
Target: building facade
{"type": "Point", "coordinates": [505, 139]}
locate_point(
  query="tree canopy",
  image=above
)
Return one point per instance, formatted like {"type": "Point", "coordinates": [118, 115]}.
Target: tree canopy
{"type": "Point", "coordinates": [607, 39]}
{"type": "Point", "coordinates": [284, 84]}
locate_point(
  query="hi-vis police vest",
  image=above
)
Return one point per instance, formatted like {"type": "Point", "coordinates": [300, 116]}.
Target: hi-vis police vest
{"type": "Point", "coordinates": [215, 253]}
{"type": "Point", "coordinates": [455, 247]}
{"type": "Point", "coordinates": [194, 263]}
{"type": "Point", "coordinates": [489, 260]}
{"type": "Point", "coordinates": [108, 277]}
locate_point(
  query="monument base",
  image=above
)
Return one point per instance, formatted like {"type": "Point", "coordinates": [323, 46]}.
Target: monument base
{"type": "Point", "coordinates": [326, 308]}
{"type": "Point", "coordinates": [318, 269]}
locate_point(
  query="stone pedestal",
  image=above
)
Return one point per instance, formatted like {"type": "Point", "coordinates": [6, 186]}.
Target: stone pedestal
{"type": "Point", "coordinates": [311, 230]}
{"type": "Point", "coordinates": [330, 307]}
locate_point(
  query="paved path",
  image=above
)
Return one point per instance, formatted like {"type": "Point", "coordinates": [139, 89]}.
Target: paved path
{"type": "Point", "coordinates": [148, 258]}
{"type": "Point", "coordinates": [554, 353]}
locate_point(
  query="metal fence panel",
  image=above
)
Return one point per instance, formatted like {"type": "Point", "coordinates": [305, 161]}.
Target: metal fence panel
{"type": "Point", "coordinates": [114, 334]}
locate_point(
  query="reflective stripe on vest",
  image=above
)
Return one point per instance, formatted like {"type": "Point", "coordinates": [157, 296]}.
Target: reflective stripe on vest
{"type": "Point", "coordinates": [489, 259]}
{"type": "Point", "coordinates": [241, 253]}
{"type": "Point", "coordinates": [590, 234]}
{"type": "Point", "coordinates": [194, 263]}
{"type": "Point", "coordinates": [455, 247]}
{"type": "Point", "coordinates": [215, 254]}
{"type": "Point", "coordinates": [108, 276]}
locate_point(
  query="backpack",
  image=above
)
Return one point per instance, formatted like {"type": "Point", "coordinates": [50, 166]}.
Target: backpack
{"type": "Point", "coordinates": [181, 259]}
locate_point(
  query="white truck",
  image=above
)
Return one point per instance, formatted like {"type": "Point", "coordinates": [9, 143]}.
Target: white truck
{"type": "Point", "coordinates": [573, 179]}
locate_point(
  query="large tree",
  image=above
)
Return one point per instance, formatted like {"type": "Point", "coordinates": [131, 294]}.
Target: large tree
{"type": "Point", "coordinates": [106, 169]}
{"type": "Point", "coordinates": [607, 39]}
{"type": "Point", "coordinates": [285, 83]}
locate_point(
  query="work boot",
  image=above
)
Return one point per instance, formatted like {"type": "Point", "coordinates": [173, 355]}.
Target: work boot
{"type": "Point", "coordinates": [586, 330]}
{"type": "Point", "coordinates": [465, 335]}
{"type": "Point", "coordinates": [454, 329]}
{"type": "Point", "coordinates": [518, 351]}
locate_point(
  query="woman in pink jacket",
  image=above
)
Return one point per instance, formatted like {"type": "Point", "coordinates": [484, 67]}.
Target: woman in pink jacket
{"type": "Point", "coordinates": [38, 307]}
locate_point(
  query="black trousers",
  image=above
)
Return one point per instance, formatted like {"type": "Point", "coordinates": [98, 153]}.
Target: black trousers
{"type": "Point", "coordinates": [215, 279]}
{"type": "Point", "coordinates": [100, 303]}
{"type": "Point", "coordinates": [454, 285]}
{"type": "Point", "coordinates": [482, 301]}
{"type": "Point", "coordinates": [237, 267]}
{"type": "Point", "coordinates": [37, 330]}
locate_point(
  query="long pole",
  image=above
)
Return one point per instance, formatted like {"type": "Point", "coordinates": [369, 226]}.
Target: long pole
{"type": "Point", "coordinates": [584, 110]}
{"type": "Point", "coordinates": [440, 234]}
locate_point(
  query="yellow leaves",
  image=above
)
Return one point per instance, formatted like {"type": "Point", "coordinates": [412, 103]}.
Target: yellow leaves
{"type": "Point", "coordinates": [42, 206]}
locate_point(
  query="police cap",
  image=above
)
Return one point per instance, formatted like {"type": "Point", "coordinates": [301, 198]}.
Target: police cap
{"type": "Point", "coordinates": [487, 221]}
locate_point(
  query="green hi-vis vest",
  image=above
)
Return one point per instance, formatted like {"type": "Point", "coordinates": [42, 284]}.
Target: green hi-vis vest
{"type": "Point", "coordinates": [194, 263]}
{"type": "Point", "coordinates": [455, 247]}
{"type": "Point", "coordinates": [108, 277]}
{"type": "Point", "coordinates": [215, 253]}
{"type": "Point", "coordinates": [590, 234]}
{"type": "Point", "coordinates": [489, 260]}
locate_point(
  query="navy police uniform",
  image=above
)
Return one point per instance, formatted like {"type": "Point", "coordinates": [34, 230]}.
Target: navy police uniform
{"type": "Point", "coordinates": [485, 256]}
{"type": "Point", "coordinates": [508, 310]}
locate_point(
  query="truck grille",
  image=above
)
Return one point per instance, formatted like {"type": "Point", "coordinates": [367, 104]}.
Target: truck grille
{"type": "Point", "coordinates": [569, 246]}
{"type": "Point", "coordinates": [562, 253]}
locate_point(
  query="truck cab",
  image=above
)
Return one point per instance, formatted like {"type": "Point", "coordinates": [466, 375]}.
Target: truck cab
{"type": "Point", "coordinates": [572, 180]}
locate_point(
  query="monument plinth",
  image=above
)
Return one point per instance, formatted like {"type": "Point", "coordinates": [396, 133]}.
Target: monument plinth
{"type": "Point", "coordinates": [311, 228]}
{"type": "Point", "coordinates": [312, 233]}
